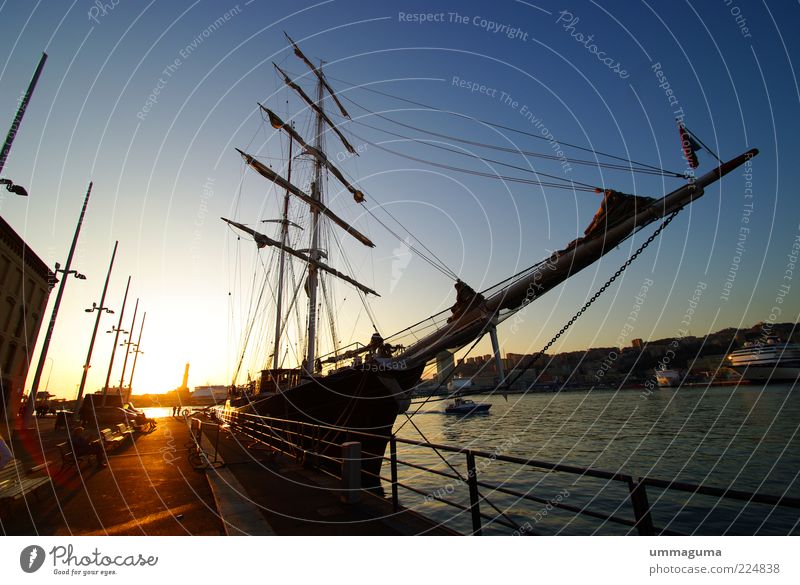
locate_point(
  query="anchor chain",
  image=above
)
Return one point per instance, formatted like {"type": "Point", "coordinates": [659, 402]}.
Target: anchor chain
{"type": "Point", "coordinates": [596, 295]}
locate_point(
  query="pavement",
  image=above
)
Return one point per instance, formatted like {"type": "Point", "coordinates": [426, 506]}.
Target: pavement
{"type": "Point", "coordinates": [150, 488]}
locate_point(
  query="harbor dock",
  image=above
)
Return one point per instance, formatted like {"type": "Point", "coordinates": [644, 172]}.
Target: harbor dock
{"type": "Point", "coordinates": [151, 488]}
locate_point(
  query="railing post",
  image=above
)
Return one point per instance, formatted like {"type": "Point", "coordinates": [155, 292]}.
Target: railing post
{"type": "Point", "coordinates": [216, 444]}
{"type": "Point", "coordinates": [641, 507]}
{"type": "Point", "coordinates": [196, 429]}
{"type": "Point", "coordinates": [351, 472]}
{"type": "Point", "coordinates": [393, 458]}
{"type": "Point", "coordinates": [474, 504]}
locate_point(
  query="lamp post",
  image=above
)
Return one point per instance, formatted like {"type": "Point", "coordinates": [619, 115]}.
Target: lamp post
{"type": "Point", "coordinates": [12, 132]}
{"type": "Point", "coordinates": [100, 310]}
{"type": "Point", "coordinates": [49, 371]}
{"type": "Point", "coordinates": [127, 345]}
{"type": "Point", "coordinates": [66, 272]}
{"type": "Point", "coordinates": [116, 330]}
{"type": "Point", "coordinates": [136, 353]}
{"type": "Point", "coordinates": [23, 105]}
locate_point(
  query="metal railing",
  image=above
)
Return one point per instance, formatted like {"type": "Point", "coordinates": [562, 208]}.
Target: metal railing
{"type": "Point", "coordinates": [311, 444]}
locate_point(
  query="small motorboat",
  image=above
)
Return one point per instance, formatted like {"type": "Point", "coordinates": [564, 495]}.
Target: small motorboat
{"type": "Point", "coordinates": [464, 406]}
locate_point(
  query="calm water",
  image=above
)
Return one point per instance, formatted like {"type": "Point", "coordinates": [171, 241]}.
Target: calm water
{"type": "Point", "coordinates": [745, 438]}
{"type": "Point", "coordinates": [158, 411]}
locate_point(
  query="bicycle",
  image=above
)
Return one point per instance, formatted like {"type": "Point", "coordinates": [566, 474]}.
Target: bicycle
{"type": "Point", "coordinates": [198, 458]}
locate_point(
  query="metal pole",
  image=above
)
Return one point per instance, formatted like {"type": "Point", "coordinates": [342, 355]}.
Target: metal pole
{"type": "Point", "coordinates": [23, 105]}
{"type": "Point", "coordinates": [100, 310]}
{"type": "Point", "coordinates": [117, 329]}
{"type": "Point", "coordinates": [136, 353]}
{"type": "Point", "coordinates": [641, 507]}
{"type": "Point", "coordinates": [474, 496]}
{"type": "Point", "coordinates": [127, 345]}
{"type": "Point", "coordinates": [216, 445]}
{"type": "Point", "coordinates": [393, 454]}
{"type": "Point", "coordinates": [37, 377]}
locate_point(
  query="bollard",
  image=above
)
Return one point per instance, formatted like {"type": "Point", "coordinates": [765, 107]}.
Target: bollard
{"type": "Point", "coordinates": [351, 472]}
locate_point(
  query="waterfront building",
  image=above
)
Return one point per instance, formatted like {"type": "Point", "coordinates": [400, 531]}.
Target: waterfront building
{"type": "Point", "coordinates": [25, 283]}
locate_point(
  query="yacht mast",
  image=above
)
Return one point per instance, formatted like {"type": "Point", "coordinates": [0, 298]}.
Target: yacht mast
{"type": "Point", "coordinates": [316, 194]}
{"type": "Point", "coordinates": [284, 234]}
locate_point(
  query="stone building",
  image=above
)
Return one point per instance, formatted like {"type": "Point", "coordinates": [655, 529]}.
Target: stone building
{"type": "Point", "coordinates": [25, 283]}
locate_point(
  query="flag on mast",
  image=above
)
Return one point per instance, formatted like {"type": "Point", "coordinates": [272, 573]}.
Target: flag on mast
{"type": "Point", "coordinates": [689, 145]}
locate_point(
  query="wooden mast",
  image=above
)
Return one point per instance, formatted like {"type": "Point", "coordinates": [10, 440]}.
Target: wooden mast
{"type": "Point", "coordinates": [316, 194]}
{"type": "Point", "coordinates": [282, 263]}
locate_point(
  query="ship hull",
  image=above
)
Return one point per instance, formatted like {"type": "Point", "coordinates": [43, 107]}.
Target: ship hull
{"type": "Point", "coordinates": [344, 403]}
{"type": "Point", "coordinates": [767, 362]}
{"type": "Point", "coordinates": [774, 373]}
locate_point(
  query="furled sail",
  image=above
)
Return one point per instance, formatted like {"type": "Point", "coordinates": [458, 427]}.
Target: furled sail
{"type": "Point", "coordinates": [263, 241]}
{"type": "Point", "coordinates": [318, 73]}
{"type": "Point", "coordinates": [276, 122]}
{"type": "Point", "coordinates": [268, 173]}
{"type": "Point", "coordinates": [313, 105]}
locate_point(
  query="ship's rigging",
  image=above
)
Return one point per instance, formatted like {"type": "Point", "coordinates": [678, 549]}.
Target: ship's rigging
{"type": "Point", "coordinates": [337, 121]}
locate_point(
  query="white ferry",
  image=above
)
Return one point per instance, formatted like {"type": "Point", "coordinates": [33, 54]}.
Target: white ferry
{"type": "Point", "coordinates": [768, 360]}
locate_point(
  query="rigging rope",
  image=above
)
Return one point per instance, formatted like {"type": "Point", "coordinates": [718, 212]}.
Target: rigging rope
{"type": "Point", "coordinates": [596, 295]}
{"type": "Point", "coordinates": [435, 390]}
{"type": "Point", "coordinates": [569, 185]}
{"type": "Point", "coordinates": [495, 125]}
{"type": "Point", "coordinates": [349, 267]}
{"type": "Point", "coordinates": [460, 477]}
{"type": "Point", "coordinates": [611, 166]}
{"type": "Point", "coordinates": [252, 315]}
{"type": "Point", "coordinates": [397, 221]}
{"type": "Point", "coordinates": [440, 266]}
{"type": "Point", "coordinates": [569, 324]}
{"type": "Point", "coordinates": [484, 159]}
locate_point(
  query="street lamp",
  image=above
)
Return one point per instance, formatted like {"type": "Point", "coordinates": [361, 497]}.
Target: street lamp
{"type": "Point", "coordinates": [100, 310]}
{"type": "Point", "coordinates": [65, 272]}
{"type": "Point", "coordinates": [16, 189]}
{"type": "Point", "coordinates": [116, 331]}
{"type": "Point", "coordinates": [136, 353]}
{"type": "Point", "coordinates": [128, 343]}
{"type": "Point", "coordinates": [51, 325]}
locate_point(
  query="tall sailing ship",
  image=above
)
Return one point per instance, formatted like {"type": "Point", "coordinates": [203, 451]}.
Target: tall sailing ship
{"type": "Point", "coordinates": [365, 386]}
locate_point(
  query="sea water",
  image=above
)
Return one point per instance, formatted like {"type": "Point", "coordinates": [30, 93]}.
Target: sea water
{"type": "Point", "coordinates": [743, 438]}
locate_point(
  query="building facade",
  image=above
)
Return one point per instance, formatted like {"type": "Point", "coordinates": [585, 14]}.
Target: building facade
{"type": "Point", "coordinates": [25, 284]}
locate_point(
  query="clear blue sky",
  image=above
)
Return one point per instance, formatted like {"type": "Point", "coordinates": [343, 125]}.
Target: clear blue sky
{"type": "Point", "coordinates": [163, 176]}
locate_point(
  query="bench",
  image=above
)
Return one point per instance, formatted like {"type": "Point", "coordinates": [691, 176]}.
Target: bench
{"type": "Point", "coordinates": [124, 430]}
{"type": "Point", "coordinates": [146, 425]}
{"type": "Point", "coordinates": [111, 439]}
{"type": "Point", "coordinates": [15, 483]}
{"type": "Point", "coordinates": [68, 457]}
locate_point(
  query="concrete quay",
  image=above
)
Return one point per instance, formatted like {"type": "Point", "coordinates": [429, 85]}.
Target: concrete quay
{"type": "Point", "coordinates": [150, 488]}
